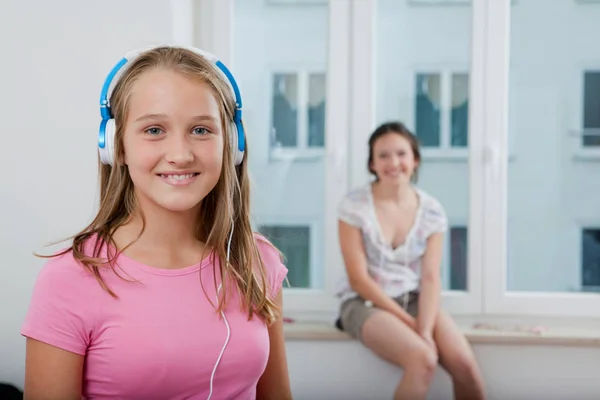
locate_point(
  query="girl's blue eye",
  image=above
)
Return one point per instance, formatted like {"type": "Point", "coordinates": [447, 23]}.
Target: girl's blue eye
{"type": "Point", "coordinates": [154, 131]}
{"type": "Point", "coordinates": [200, 131]}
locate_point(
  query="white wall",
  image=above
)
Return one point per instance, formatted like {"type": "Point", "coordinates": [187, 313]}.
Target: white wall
{"type": "Point", "coordinates": [346, 370]}
{"type": "Point", "coordinates": [55, 56]}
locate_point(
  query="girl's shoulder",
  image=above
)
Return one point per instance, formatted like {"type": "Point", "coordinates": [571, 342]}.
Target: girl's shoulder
{"type": "Point", "coordinates": [353, 206]}
{"type": "Point", "coordinates": [434, 217]}
{"type": "Point", "coordinates": [273, 262]}
{"type": "Point", "coordinates": [428, 201]}
{"type": "Point", "coordinates": [358, 195]}
{"type": "Point", "coordinates": [64, 304]}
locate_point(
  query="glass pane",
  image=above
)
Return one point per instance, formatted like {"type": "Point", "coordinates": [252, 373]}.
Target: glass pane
{"type": "Point", "coordinates": [317, 86]}
{"type": "Point", "coordinates": [458, 258]}
{"type": "Point", "coordinates": [460, 110]}
{"type": "Point", "coordinates": [294, 243]}
{"type": "Point", "coordinates": [427, 109]}
{"type": "Point", "coordinates": [553, 195]}
{"type": "Point", "coordinates": [285, 110]}
{"type": "Point", "coordinates": [280, 66]}
{"type": "Point", "coordinates": [422, 68]}
{"type": "Point", "coordinates": [591, 108]}
{"type": "Point", "coordinates": [590, 250]}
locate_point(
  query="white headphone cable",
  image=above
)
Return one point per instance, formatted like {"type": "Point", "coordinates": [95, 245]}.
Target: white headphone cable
{"type": "Point", "coordinates": [212, 376]}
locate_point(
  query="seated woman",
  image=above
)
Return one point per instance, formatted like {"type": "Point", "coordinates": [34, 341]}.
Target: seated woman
{"type": "Point", "coordinates": [391, 237]}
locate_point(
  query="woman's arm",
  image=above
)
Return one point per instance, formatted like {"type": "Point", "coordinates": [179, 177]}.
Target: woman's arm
{"type": "Point", "coordinates": [274, 384]}
{"type": "Point", "coordinates": [52, 373]}
{"type": "Point", "coordinates": [355, 260]}
{"type": "Point", "coordinates": [431, 286]}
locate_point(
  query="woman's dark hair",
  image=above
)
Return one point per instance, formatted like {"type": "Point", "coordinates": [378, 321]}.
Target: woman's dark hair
{"type": "Point", "coordinates": [400, 129]}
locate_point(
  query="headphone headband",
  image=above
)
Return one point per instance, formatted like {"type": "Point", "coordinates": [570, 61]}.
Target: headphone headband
{"type": "Point", "coordinates": [107, 124]}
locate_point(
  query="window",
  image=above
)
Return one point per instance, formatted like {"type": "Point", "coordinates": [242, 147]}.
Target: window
{"type": "Point", "coordinates": [286, 59]}
{"type": "Point", "coordinates": [298, 113]}
{"type": "Point", "coordinates": [590, 260]}
{"type": "Point", "coordinates": [591, 109]}
{"type": "Point", "coordinates": [442, 109]}
{"type": "Point", "coordinates": [550, 270]}
{"type": "Point", "coordinates": [294, 243]}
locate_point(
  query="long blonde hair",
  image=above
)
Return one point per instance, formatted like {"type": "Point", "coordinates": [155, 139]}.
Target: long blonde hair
{"type": "Point", "coordinates": [227, 203]}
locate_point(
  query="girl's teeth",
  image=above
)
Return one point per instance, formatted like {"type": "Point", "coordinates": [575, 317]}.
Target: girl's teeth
{"type": "Point", "coordinates": [179, 177]}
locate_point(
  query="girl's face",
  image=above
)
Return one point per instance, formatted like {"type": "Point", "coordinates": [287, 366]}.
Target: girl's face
{"type": "Point", "coordinates": [393, 159]}
{"type": "Point", "coordinates": [173, 140]}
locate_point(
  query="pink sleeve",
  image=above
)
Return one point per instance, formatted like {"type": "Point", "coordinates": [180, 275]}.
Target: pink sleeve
{"type": "Point", "coordinates": [59, 312]}
{"type": "Point", "coordinates": [274, 268]}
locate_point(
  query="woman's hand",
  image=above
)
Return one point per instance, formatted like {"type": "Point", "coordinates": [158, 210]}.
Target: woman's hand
{"type": "Point", "coordinates": [428, 337]}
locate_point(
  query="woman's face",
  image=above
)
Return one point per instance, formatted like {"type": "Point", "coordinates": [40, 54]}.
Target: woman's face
{"type": "Point", "coordinates": [393, 159]}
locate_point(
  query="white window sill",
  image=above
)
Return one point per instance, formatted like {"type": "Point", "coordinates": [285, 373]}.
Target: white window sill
{"type": "Point", "coordinates": [438, 3]}
{"type": "Point", "coordinates": [433, 154]}
{"type": "Point", "coordinates": [587, 155]}
{"type": "Point", "coordinates": [295, 154]}
{"type": "Point", "coordinates": [555, 336]}
{"type": "Point", "coordinates": [451, 155]}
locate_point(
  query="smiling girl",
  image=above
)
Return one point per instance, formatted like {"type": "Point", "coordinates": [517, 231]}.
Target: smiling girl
{"type": "Point", "coordinates": [167, 294]}
{"type": "Point", "coordinates": [391, 237]}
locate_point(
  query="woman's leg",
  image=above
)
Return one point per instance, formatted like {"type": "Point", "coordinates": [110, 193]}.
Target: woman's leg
{"type": "Point", "coordinates": [396, 342]}
{"type": "Point", "coordinates": [458, 359]}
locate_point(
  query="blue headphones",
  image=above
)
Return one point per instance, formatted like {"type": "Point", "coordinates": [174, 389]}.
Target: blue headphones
{"type": "Point", "coordinates": [106, 135]}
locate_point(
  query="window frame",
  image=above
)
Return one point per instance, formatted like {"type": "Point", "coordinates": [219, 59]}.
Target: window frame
{"type": "Point", "coordinates": [302, 152]}
{"type": "Point", "coordinates": [314, 304]}
{"type": "Point", "coordinates": [498, 300]}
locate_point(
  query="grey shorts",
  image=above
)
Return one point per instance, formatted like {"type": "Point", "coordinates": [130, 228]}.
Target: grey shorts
{"type": "Point", "coordinates": [354, 312]}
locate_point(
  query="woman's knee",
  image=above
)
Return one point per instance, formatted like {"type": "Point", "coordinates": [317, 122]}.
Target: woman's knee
{"type": "Point", "coordinates": [422, 362]}
{"type": "Point", "coordinates": [462, 367]}
{"type": "Point", "coordinates": [398, 343]}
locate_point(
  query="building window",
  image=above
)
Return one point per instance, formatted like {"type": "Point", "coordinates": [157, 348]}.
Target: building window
{"type": "Point", "coordinates": [591, 109]}
{"type": "Point", "coordinates": [442, 109]}
{"type": "Point", "coordinates": [298, 111]}
{"type": "Point", "coordinates": [590, 260]}
{"type": "Point", "coordinates": [458, 258]}
{"type": "Point", "coordinates": [455, 269]}
{"type": "Point", "coordinates": [294, 243]}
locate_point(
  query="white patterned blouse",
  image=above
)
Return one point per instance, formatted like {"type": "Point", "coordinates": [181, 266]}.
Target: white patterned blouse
{"type": "Point", "coordinates": [396, 270]}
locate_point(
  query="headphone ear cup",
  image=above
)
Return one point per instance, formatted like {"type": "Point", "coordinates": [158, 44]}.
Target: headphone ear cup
{"type": "Point", "coordinates": [107, 153]}
{"type": "Point", "coordinates": [236, 131]}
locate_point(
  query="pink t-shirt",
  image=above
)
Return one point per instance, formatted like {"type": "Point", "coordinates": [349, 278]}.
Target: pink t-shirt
{"type": "Point", "coordinates": [161, 338]}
